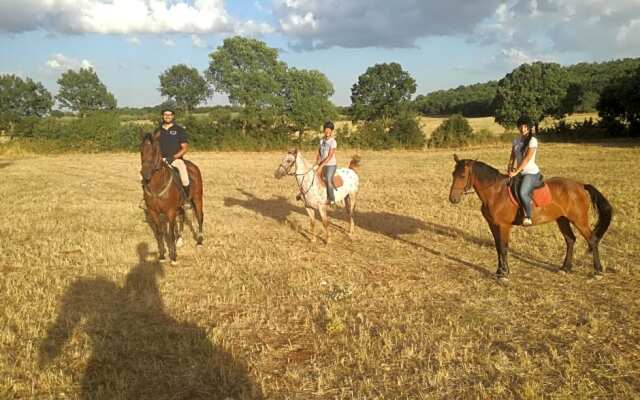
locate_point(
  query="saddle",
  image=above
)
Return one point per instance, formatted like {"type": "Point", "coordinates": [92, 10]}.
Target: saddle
{"type": "Point", "coordinates": [541, 195]}
{"type": "Point", "coordinates": [337, 180]}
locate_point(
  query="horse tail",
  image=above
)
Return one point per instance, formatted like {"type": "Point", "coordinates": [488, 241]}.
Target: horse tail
{"type": "Point", "coordinates": [355, 162]}
{"type": "Point", "coordinates": [604, 209]}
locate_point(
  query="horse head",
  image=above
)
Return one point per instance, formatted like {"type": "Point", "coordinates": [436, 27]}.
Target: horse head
{"type": "Point", "coordinates": [288, 162]}
{"type": "Point", "coordinates": [150, 155]}
{"type": "Point", "coordinates": [461, 179]}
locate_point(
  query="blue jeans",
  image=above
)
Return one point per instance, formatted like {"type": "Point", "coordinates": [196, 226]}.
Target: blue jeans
{"type": "Point", "coordinates": [327, 173]}
{"type": "Point", "coordinates": [529, 181]}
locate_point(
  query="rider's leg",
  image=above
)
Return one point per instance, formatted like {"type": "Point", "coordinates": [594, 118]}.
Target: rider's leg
{"type": "Point", "coordinates": [529, 181]}
{"type": "Point", "coordinates": [328, 172]}
{"type": "Point", "coordinates": [184, 178]}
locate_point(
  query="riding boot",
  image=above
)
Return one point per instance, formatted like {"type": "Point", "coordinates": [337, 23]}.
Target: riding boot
{"type": "Point", "coordinates": [186, 190]}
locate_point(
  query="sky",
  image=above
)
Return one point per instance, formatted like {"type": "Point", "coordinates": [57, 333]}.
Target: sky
{"type": "Point", "coordinates": [442, 44]}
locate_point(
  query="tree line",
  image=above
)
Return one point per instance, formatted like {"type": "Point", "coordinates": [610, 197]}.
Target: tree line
{"type": "Point", "coordinates": [271, 99]}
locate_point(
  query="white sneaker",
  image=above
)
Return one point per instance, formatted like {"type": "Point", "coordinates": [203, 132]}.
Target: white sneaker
{"type": "Point", "coordinates": [527, 222]}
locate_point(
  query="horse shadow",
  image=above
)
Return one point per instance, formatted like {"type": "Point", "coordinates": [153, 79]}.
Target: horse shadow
{"type": "Point", "coordinates": [138, 350]}
{"type": "Point", "coordinates": [5, 164]}
{"type": "Point", "coordinates": [391, 225]}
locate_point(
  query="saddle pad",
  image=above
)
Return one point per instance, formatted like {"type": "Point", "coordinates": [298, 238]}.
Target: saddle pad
{"type": "Point", "coordinates": [337, 181]}
{"type": "Point", "coordinates": [541, 196]}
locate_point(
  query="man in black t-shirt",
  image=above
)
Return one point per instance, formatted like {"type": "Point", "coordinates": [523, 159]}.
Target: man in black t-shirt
{"type": "Point", "coordinates": [174, 145]}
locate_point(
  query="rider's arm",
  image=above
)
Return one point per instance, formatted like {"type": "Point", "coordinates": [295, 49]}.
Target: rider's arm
{"type": "Point", "coordinates": [184, 147]}
{"type": "Point", "coordinates": [525, 160]}
{"type": "Point", "coordinates": [512, 159]}
{"type": "Point", "coordinates": [329, 155]}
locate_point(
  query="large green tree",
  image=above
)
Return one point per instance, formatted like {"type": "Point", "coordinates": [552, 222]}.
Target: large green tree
{"type": "Point", "coordinates": [382, 92]}
{"type": "Point", "coordinates": [249, 72]}
{"type": "Point", "coordinates": [20, 98]}
{"type": "Point", "coordinates": [185, 86]}
{"type": "Point", "coordinates": [82, 91]}
{"type": "Point", "coordinates": [306, 99]}
{"type": "Point", "coordinates": [536, 90]}
{"type": "Point", "coordinates": [619, 104]}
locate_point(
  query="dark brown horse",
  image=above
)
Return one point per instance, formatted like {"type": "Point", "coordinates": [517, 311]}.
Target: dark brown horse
{"type": "Point", "coordinates": [163, 198]}
{"type": "Point", "coordinates": [570, 205]}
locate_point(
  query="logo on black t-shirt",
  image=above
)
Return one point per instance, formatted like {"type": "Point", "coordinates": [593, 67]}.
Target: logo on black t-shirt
{"type": "Point", "coordinates": [173, 132]}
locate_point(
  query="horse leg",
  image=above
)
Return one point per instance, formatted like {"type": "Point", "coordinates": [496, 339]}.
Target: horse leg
{"type": "Point", "coordinates": [501, 240]}
{"type": "Point", "coordinates": [312, 220]}
{"type": "Point", "coordinates": [582, 225]}
{"type": "Point", "coordinates": [158, 231]}
{"type": "Point", "coordinates": [171, 216]}
{"type": "Point", "coordinates": [199, 212]}
{"type": "Point", "coordinates": [180, 228]}
{"type": "Point", "coordinates": [350, 205]}
{"type": "Point", "coordinates": [325, 221]}
{"type": "Point", "coordinates": [570, 239]}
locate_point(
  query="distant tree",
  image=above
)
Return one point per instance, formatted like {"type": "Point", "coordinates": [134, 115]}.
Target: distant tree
{"type": "Point", "coordinates": [185, 86]}
{"type": "Point", "coordinates": [536, 90]}
{"type": "Point", "coordinates": [20, 98]}
{"type": "Point", "coordinates": [454, 131]}
{"type": "Point", "coordinates": [249, 72]}
{"type": "Point", "coordinates": [382, 92]}
{"type": "Point", "coordinates": [406, 131]}
{"type": "Point", "coordinates": [619, 104]}
{"type": "Point", "coordinates": [471, 101]}
{"type": "Point", "coordinates": [82, 92]}
{"type": "Point", "coordinates": [306, 99]}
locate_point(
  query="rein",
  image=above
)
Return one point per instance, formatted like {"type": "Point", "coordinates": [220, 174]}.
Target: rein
{"type": "Point", "coordinates": [300, 184]}
{"type": "Point", "coordinates": [165, 189]}
{"type": "Point", "coordinates": [468, 189]}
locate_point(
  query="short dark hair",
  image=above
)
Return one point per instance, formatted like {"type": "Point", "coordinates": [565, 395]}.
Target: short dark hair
{"type": "Point", "coordinates": [164, 110]}
{"type": "Point", "coordinates": [329, 125]}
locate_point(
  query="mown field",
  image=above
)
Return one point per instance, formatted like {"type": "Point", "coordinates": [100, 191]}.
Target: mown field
{"type": "Point", "coordinates": [407, 310]}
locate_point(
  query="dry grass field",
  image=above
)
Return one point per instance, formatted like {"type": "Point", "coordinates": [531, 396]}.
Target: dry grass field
{"type": "Point", "coordinates": [407, 310]}
{"type": "Point", "coordinates": [429, 124]}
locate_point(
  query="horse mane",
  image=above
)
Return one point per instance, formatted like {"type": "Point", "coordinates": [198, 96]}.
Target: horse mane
{"type": "Point", "coordinates": [485, 172]}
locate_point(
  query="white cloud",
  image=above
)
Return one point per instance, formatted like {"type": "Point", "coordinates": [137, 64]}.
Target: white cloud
{"type": "Point", "coordinates": [115, 16]}
{"type": "Point", "coordinates": [197, 41]}
{"type": "Point", "coordinates": [253, 28]}
{"type": "Point", "coordinates": [601, 29]}
{"type": "Point", "coordinates": [169, 42]}
{"type": "Point", "coordinates": [59, 62]}
{"type": "Point", "coordinates": [313, 24]}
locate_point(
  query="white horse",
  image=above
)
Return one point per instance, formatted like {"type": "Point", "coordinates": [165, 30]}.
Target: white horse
{"type": "Point", "coordinates": [314, 192]}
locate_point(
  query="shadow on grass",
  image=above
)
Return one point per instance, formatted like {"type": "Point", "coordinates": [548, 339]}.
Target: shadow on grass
{"type": "Point", "coordinates": [138, 350]}
{"type": "Point", "coordinates": [5, 164]}
{"type": "Point", "coordinates": [388, 224]}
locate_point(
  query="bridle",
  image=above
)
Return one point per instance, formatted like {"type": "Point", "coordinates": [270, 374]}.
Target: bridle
{"type": "Point", "coordinates": [287, 171]}
{"type": "Point", "coordinates": [468, 187]}
{"type": "Point", "coordinates": [158, 163]}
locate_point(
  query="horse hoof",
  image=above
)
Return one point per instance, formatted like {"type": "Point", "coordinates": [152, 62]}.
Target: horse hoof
{"type": "Point", "coordinates": [174, 263]}
{"type": "Point", "coordinates": [179, 242]}
{"type": "Point", "coordinates": [199, 245]}
{"type": "Point", "coordinates": [597, 277]}
{"type": "Point", "coordinates": [162, 259]}
{"type": "Point", "coordinates": [502, 279]}
{"type": "Point", "coordinates": [563, 271]}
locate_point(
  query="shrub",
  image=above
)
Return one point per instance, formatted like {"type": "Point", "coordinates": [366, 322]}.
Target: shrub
{"type": "Point", "coordinates": [453, 132]}
{"type": "Point", "coordinates": [406, 132]}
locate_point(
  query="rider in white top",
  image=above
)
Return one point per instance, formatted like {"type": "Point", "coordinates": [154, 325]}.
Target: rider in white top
{"type": "Point", "coordinates": [523, 152]}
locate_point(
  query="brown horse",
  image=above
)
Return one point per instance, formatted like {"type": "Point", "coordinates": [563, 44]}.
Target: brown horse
{"type": "Point", "coordinates": [570, 205]}
{"type": "Point", "coordinates": [163, 198]}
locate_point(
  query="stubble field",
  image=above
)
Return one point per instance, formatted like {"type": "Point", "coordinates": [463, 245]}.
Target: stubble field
{"type": "Point", "coordinates": [408, 309]}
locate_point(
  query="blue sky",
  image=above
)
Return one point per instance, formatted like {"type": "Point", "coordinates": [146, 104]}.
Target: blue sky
{"type": "Point", "coordinates": [441, 44]}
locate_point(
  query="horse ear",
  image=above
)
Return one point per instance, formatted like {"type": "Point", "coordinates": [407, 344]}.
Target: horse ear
{"type": "Point", "coordinates": [293, 151]}
{"type": "Point", "coordinates": [141, 133]}
{"type": "Point", "coordinates": [455, 158]}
